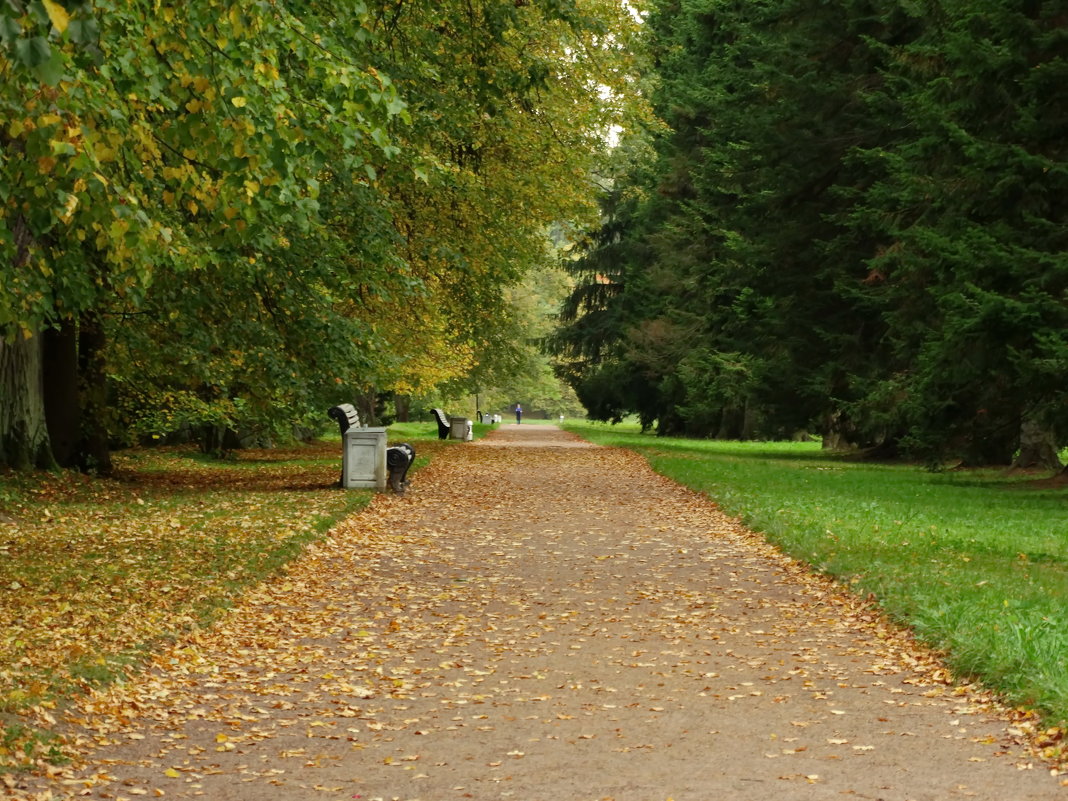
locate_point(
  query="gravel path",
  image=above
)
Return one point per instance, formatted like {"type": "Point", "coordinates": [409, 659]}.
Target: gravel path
{"type": "Point", "coordinates": [544, 620]}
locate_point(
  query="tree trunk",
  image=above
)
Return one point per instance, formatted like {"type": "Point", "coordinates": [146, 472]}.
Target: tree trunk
{"type": "Point", "coordinates": [213, 440]}
{"type": "Point", "coordinates": [403, 404]}
{"type": "Point", "coordinates": [988, 443]}
{"type": "Point", "coordinates": [835, 437]}
{"type": "Point", "coordinates": [1038, 447]}
{"type": "Point", "coordinates": [95, 453]}
{"type": "Point", "coordinates": [365, 405]}
{"type": "Point", "coordinates": [62, 401]}
{"type": "Point", "coordinates": [731, 423]}
{"type": "Point", "coordinates": [748, 421]}
{"type": "Point", "coordinates": [23, 428]}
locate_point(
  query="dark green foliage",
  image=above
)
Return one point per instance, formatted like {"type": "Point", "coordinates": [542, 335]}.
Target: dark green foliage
{"type": "Point", "coordinates": [971, 211]}
{"type": "Point", "coordinates": [856, 224]}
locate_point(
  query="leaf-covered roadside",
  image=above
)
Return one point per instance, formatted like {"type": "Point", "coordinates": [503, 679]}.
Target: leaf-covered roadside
{"type": "Point", "coordinates": [92, 571]}
{"type": "Point", "coordinates": [539, 616]}
{"type": "Point", "coordinates": [973, 562]}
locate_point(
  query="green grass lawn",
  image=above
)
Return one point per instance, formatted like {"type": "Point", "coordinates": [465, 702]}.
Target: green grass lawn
{"type": "Point", "coordinates": [976, 562]}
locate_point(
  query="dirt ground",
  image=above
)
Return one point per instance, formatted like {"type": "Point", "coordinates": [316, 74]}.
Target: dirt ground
{"type": "Point", "coordinates": [540, 619]}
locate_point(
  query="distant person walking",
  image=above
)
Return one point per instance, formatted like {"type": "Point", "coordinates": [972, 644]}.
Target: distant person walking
{"type": "Point", "coordinates": [518, 414]}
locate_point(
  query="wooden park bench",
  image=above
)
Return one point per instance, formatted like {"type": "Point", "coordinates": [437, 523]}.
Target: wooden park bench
{"type": "Point", "coordinates": [443, 423]}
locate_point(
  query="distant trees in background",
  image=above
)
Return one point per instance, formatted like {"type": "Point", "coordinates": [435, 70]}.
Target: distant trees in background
{"type": "Point", "coordinates": [854, 223]}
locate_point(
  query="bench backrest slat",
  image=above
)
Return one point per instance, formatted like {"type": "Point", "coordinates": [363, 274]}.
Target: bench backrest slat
{"type": "Point", "coordinates": [346, 416]}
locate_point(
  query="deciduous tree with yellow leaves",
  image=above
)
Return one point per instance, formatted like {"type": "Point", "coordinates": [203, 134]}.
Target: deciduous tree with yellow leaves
{"type": "Point", "coordinates": [224, 215]}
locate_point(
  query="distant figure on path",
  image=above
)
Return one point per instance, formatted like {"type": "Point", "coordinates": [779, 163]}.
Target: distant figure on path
{"type": "Point", "coordinates": [518, 414]}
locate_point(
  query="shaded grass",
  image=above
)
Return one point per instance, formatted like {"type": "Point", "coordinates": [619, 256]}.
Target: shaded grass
{"type": "Point", "coordinates": [976, 562]}
{"type": "Point", "coordinates": [95, 573]}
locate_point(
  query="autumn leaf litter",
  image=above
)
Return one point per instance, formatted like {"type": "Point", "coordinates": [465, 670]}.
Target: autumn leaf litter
{"type": "Point", "coordinates": [538, 619]}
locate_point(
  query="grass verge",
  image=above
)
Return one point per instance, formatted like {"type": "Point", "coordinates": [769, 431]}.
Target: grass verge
{"type": "Point", "coordinates": [976, 562]}
{"type": "Point", "coordinates": [94, 573]}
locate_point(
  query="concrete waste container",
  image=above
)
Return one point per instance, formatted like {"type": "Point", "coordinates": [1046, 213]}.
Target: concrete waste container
{"type": "Point", "coordinates": [363, 462]}
{"type": "Point", "coordinates": [461, 428]}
